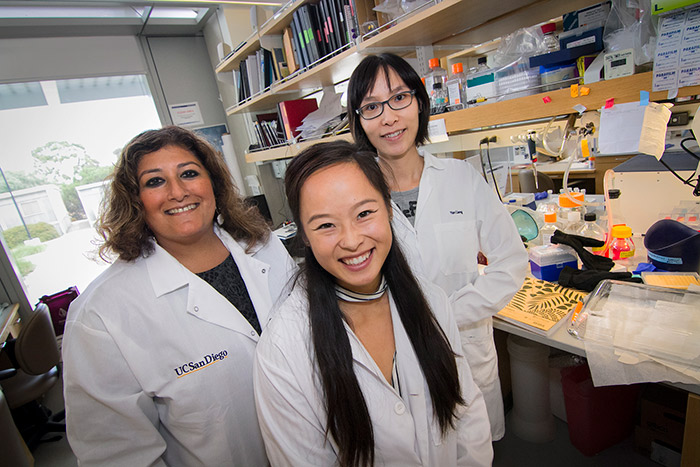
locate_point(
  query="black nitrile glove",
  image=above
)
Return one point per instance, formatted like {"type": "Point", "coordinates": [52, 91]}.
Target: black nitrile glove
{"type": "Point", "coordinates": [588, 279]}
{"type": "Point", "coordinates": [589, 260]}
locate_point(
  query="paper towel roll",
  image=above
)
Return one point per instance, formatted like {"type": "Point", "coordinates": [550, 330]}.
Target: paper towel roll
{"type": "Point", "coordinates": [232, 162]}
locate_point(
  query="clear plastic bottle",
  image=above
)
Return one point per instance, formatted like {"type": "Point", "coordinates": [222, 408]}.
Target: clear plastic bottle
{"type": "Point", "coordinates": [457, 88]}
{"type": "Point", "coordinates": [548, 229]}
{"type": "Point", "coordinates": [550, 39]}
{"type": "Point", "coordinates": [436, 74]}
{"type": "Point", "coordinates": [622, 246]}
{"type": "Point", "coordinates": [573, 223]}
{"type": "Point", "coordinates": [591, 229]}
{"type": "Point", "coordinates": [481, 84]}
{"type": "Point", "coordinates": [438, 99]}
{"type": "Point", "coordinates": [549, 205]}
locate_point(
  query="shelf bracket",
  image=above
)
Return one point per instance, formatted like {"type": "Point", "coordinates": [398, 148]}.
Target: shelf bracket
{"type": "Point", "coordinates": [423, 54]}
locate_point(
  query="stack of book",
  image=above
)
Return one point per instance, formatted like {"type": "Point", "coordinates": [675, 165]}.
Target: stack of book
{"type": "Point", "coordinates": [318, 30]}
{"type": "Point", "coordinates": [272, 129]}
{"type": "Point", "coordinates": [257, 72]}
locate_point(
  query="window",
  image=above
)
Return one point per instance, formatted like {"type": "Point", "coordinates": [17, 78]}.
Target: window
{"type": "Point", "coordinates": [61, 141]}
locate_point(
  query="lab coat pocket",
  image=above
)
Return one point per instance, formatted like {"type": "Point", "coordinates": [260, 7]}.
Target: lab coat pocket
{"type": "Point", "coordinates": [457, 246]}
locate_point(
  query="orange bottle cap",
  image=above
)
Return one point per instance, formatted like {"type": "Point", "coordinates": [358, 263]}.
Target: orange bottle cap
{"type": "Point", "coordinates": [566, 202]}
{"type": "Point", "coordinates": [550, 217]}
{"type": "Point", "coordinates": [434, 63]}
{"type": "Point", "coordinates": [457, 68]}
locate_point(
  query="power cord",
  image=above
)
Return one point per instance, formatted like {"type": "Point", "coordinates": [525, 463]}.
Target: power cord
{"type": "Point", "coordinates": [493, 175]}
{"type": "Point", "coordinates": [689, 181]}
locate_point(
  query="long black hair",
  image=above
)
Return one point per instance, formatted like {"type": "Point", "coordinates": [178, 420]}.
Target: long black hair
{"type": "Point", "coordinates": [362, 81]}
{"type": "Point", "coordinates": [348, 419]}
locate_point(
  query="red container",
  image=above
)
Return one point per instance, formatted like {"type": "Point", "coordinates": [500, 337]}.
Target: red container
{"type": "Point", "coordinates": [598, 417]}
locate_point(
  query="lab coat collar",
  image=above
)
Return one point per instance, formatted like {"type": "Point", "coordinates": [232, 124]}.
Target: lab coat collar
{"type": "Point", "coordinates": [167, 275]}
{"type": "Point", "coordinates": [430, 161]}
{"type": "Point", "coordinates": [166, 272]}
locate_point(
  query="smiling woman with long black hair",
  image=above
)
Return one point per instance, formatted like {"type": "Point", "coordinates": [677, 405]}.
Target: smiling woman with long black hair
{"type": "Point", "coordinates": [362, 364]}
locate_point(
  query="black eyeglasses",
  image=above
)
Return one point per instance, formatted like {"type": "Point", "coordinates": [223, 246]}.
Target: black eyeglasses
{"type": "Point", "coordinates": [396, 102]}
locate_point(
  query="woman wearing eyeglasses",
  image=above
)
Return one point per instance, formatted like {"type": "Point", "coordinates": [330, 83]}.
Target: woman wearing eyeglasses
{"type": "Point", "coordinates": [445, 214]}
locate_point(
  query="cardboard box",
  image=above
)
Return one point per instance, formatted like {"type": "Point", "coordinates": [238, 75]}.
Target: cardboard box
{"type": "Point", "coordinates": [662, 414]}
{"type": "Point", "coordinates": [647, 444]}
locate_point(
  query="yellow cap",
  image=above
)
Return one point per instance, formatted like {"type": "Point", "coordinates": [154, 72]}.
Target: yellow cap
{"type": "Point", "coordinates": [621, 231]}
{"type": "Point", "coordinates": [566, 202]}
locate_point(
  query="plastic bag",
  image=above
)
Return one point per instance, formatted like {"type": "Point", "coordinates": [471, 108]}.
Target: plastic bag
{"type": "Point", "coordinates": [523, 43]}
{"type": "Point", "coordinates": [410, 5]}
{"type": "Point", "coordinates": [391, 8]}
{"type": "Point", "coordinates": [631, 26]}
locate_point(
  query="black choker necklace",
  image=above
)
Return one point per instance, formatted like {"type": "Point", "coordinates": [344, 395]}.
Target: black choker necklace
{"type": "Point", "coordinates": [350, 296]}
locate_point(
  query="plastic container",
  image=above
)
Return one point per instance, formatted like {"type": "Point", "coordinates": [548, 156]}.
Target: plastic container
{"type": "Point", "coordinates": [547, 261]}
{"type": "Point", "coordinates": [548, 229]}
{"type": "Point", "coordinates": [566, 205]}
{"type": "Point", "coordinates": [481, 84]}
{"type": "Point", "coordinates": [598, 417]}
{"type": "Point", "coordinates": [573, 223]}
{"type": "Point", "coordinates": [457, 88]}
{"type": "Point", "coordinates": [622, 246]}
{"type": "Point", "coordinates": [438, 99]}
{"type": "Point", "coordinates": [550, 38]}
{"type": "Point", "coordinates": [591, 229]}
{"type": "Point", "coordinates": [553, 76]}
{"type": "Point", "coordinates": [436, 74]}
{"type": "Point", "coordinates": [672, 246]}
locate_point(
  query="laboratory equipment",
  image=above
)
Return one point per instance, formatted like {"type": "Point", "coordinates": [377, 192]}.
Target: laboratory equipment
{"type": "Point", "coordinates": [438, 99]}
{"type": "Point", "coordinates": [437, 74]}
{"type": "Point", "coordinates": [550, 39]}
{"type": "Point", "coordinates": [457, 88]}
{"type": "Point", "coordinates": [672, 246]}
{"type": "Point", "coordinates": [622, 246]}
{"type": "Point", "coordinates": [591, 229]}
{"type": "Point", "coordinates": [547, 261]}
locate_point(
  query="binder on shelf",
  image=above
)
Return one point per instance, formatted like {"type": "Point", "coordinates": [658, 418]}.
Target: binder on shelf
{"type": "Point", "coordinates": [280, 63]}
{"type": "Point", "coordinates": [327, 26]}
{"type": "Point", "coordinates": [340, 22]}
{"type": "Point", "coordinates": [293, 112]}
{"type": "Point", "coordinates": [311, 47]}
{"type": "Point", "coordinates": [290, 51]}
{"type": "Point", "coordinates": [315, 16]}
{"type": "Point", "coordinates": [301, 43]}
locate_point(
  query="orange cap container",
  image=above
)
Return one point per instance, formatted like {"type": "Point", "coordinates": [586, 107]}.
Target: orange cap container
{"type": "Point", "coordinates": [550, 217]}
{"type": "Point", "coordinates": [566, 202]}
{"type": "Point", "coordinates": [457, 68]}
{"type": "Point", "coordinates": [434, 62]}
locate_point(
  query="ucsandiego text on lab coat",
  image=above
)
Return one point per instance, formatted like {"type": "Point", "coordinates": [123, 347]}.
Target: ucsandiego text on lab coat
{"type": "Point", "coordinates": [289, 396]}
{"type": "Point", "coordinates": [458, 215]}
{"type": "Point", "coordinates": [158, 365]}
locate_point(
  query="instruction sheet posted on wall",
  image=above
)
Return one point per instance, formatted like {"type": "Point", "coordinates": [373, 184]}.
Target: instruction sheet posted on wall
{"type": "Point", "coordinates": [677, 60]}
{"type": "Point", "coordinates": [632, 128]}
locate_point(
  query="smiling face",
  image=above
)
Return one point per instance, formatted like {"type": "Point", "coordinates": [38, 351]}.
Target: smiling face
{"type": "Point", "coordinates": [177, 196]}
{"type": "Point", "coordinates": [393, 133]}
{"type": "Point", "coordinates": [347, 225]}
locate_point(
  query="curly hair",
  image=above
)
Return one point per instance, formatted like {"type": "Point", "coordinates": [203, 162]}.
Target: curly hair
{"type": "Point", "coordinates": [122, 221]}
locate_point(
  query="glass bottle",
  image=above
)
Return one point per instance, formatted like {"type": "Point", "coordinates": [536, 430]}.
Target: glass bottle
{"type": "Point", "coordinates": [622, 246]}
{"type": "Point", "coordinates": [457, 88]}
{"type": "Point", "coordinates": [437, 74]}
{"type": "Point", "coordinates": [438, 99]}
{"type": "Point", "coordinates": [550, 39]}
{"type": "Point", "coordinates": [591, 229]}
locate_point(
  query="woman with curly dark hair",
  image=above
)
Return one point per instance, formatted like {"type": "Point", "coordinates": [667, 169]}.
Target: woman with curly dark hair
{"type": "Point", "coordinates": [158, 351]}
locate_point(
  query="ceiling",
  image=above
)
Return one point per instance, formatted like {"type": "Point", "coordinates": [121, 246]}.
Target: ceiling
{"type": "Point", "coordinates": [42, 18]}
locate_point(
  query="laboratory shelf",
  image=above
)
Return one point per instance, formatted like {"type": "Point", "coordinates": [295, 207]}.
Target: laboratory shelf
{"type": "Point", "coordinates": [291, 150]}
{"type": "Point", "coordinates": [533, 107]}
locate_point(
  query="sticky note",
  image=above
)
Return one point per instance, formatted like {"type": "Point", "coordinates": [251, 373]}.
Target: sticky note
{"type": "Point", "coordinates": [580, 108]}
{"type": "Point", "coordinates": [672, 93]}
{"type": "Point", "coordinates": [609, 103]}
{"type": "Point", "coordinates": [584, 91]}
{"type": "Point", "coordinates": [547, 99]}
{"type": "Point", "coordinates": [643, 97]}
{"type": "Point", "coordinates": [574, 90]}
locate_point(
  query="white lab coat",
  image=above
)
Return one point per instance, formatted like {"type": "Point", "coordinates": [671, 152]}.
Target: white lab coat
{"type": "Point", "coordinates": [292, 415]}
{"type": "Point", "coordinates": [458, 215]}
{"type": "Point", "coordinates": [158, 365]}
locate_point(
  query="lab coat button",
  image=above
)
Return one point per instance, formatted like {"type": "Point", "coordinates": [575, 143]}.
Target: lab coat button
{"type": "Point", "coordinates": [264, 271]}
{"type": "Point", "coordinates": [196, 308]}
{"type": "Point", "coordinates": [252, 333]}
{"type": "Point", "coordinates": [399, 408]}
